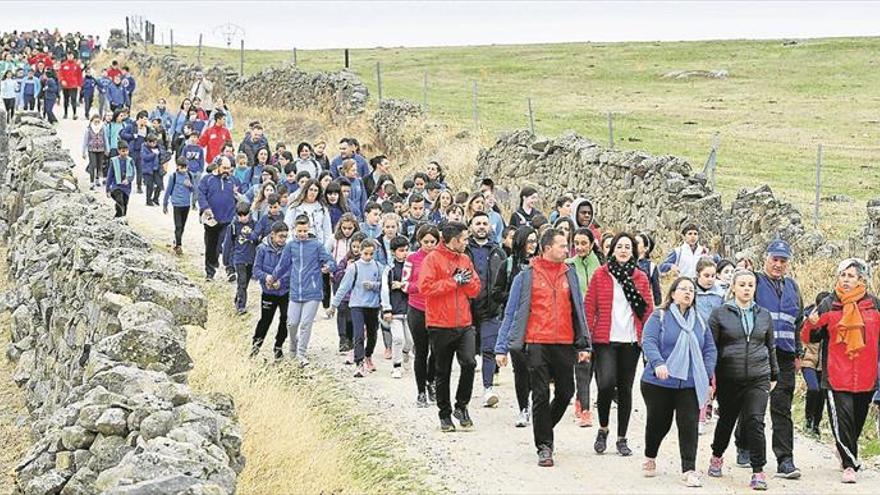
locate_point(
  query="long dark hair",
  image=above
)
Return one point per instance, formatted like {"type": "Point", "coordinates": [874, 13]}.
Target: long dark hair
{"type": "Point", "coordinates": [520, 243]}
{"type": "Point", "coordinates": [616, 240]}
{"type": "Point", "coordinates": [300, 198]}
{"type": "Point", "coordinates": [595, 247]}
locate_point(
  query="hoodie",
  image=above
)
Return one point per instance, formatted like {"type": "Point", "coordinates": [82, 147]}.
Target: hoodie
{"type": "Point", "coordinates": [577, 203]}
{"type": "Point", "coordinates": [301, 263]}
{"type": "Point", "coordinates": [267, 258]}
{"type": "Point", "coordinates": [355, 275]}
{"type": "Point", "coordinates": [216, 193]}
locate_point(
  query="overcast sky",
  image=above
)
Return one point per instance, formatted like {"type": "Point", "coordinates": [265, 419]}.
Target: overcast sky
{"type": "Point", "coordinates": [329, 24]}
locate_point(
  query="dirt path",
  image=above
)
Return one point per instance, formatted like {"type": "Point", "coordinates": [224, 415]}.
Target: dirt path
{"type": "Point", "coordinates": [496, 457]}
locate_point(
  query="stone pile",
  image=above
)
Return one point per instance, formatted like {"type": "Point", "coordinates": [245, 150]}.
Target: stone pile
{"type": "Point", "coordinates": [339, 95]}
{"type": "Point", "coordinates": [400, 126]}
{"type": "Point", "coordinates": [636, 191]}
{"type": "Point", "coordinates": [866, 244]}
{"type": "Point", "coordinates": [99, 324]}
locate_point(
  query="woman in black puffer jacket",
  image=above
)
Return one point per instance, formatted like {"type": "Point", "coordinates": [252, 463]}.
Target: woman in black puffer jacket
{"type": "Point", "coordinates": [745, 373]}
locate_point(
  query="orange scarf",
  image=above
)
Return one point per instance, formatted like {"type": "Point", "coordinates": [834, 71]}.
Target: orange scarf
{"type": "Point", "coordinates": [851, 326]}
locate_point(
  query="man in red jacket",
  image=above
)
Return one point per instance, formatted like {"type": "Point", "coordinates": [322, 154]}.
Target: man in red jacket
{"type": "Point", "coordinates": [448, 280]}
{"type": "Point", "coordinates": [545, 318]}
{"type": "Point", "coordinates": [214, 137]}
{"type": "Point", "coordinates": [71, 79]}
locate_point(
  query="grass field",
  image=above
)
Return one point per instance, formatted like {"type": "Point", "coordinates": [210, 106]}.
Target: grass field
{"type": "Point", "coordinates": [778, 103]}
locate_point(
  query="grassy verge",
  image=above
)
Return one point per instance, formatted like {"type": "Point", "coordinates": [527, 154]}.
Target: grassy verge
{"type": "Point", "coordinates": [303, 432]}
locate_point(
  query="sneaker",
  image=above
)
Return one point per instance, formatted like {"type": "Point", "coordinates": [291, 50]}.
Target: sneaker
{"type": "Point", "coordinates": [715, 466]}
{"type": "Point", "coordinates": [396, 372]}
{"type": "Point", "coordinates": [341, 348]}
{"type": "Point", "coordinates": [464, 419]}
{"type": "Point", "coordinates": [743, 458]}
{"type": "Point", "coordinates": [649, 468]}
{"type": "Point", "coordinates": [368, 365]}
{"type": "Point", "coordinates": [359, 371]}
{"type": "Point", "coordinates": [601, 441]}
{"type": "Point", "coordinates": [691, 479]}
{"type": "Point", "coordinates": [432, 392]}
{"type": "Point", "coordinates": [759, 481]}
{"type": "Point", "coordinates": [178, 250]}
{"type": "Point", "coordinates": [701, 428]}
{"type": "Point", "coordinates": [523, 419]}
{"type": "Point", "coordinates": [349, 358]}
{"type": "Point", "coordinates": [140, 190]}
{"type": "Point", "coordinates": [387, 353]}
{"type": "Point", "coordinates": [490, 398]}
{"type": "Point", "coordinates": [545, 457]}
{"type": "Point", "coordinates": [348, 345]}
{"type": "Point", "coordinates": [622, 448]}
{"type": "Point", "coordinates": [446, 425]}
{"type": "Point", "coordinates": [241, 311]}
{"type": "Point", "coordinates": [303, 361]}
{"type": "Point", "coordinates": [91, 187]}
{"type": "Point", "coordinates": [848, 476]}
{"type": "Point", "coordinates": [577, 409]}
{"type": "Point", "coordinates": [787, 470]}
{"type": "Point", "coordinates": [422, 400]}
{"type": "Point", "coordinates": [406, 357]}
{"type": "Point", "coordinates": [230, 277]}
{"type": "Point", "coordinates": [279, 354]}
{"type": "Point", "coordinates": [255, 349]}
{"type": "Point", "coordinates": [585, 419]}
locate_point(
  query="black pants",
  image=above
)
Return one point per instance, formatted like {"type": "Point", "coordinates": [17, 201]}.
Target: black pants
{"type": "Point", "coordinates": [815, 400]}
{"type": "Point", "coordinates": [780, 411]}
{"type": "Point", "coordinates": [213, 237]}
{"type": "Point", "coordinates": [325, 300]}
{"type": "Point", "coordinates": [269, 303]}
{"type": "Point", "coordinates": [9, 104]}
{"type": "Point", "coordinates": [447, 343]}
{"type": "Point", "coordinates": [70, 99]}
{"type": "Point", "coordinates": [154, 186]}
{"type": "Point", "coordinates": [848, 411]}
{"type": "Point", "coordinates": [243, 274]}
{"type": "Point", "coordinates": [661, 403]}
{"type": "Point", "coordinates": [747, 401]}
{"type": "Point", "coordinates": [521, 378]}
{"type": "Point", "coordinates": [344, 327]}
{"type": "Point", "coordinates": [87, 105]}
{"type": "Point", "coordinates": [95, 166]}
{"type": "Point", "coordinates": [364, 321]}
{"type": "Point", "coordinates": [583, 374]}
{"type": "Point", "coordinates": [615, 365]}
{"type": "Point", "coordinates": [29, 102]}
{"type": "Point", "coordinates": [181, 213]}
{"type": "Point", "coordinates": [49, 105]}
{"type": "Point", "coordinates": [423, 364]}
{"type": "Point", "coordinates": [137, 170]}
{"type": "Point", "coordinates": [120, 199]}
{"type": "Point", "coordinates": [549, 362]}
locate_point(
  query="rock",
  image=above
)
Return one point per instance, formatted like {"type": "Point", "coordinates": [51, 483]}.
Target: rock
{"type": "Point", "coordinates": [144, 312]}
{"type": "Point", "coordinates": [187, 303]}
{"type": "Point", "coordinates": [107, 451]}
{"type": "Point", "coordinates": [157, 424]}
{"type": "Point", "coordinates": [47, 484]}
{"type": "Point", "coordinates": [76, 437]}
{"type": "Point", "coordinates": [160, 486]}
{"type": "Point", "coordinates": [112, 422]}
{"type": "Point", "coordinates": [155, 346]}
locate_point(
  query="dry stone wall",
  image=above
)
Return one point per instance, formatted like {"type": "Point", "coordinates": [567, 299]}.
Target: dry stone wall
{"type": "Point", "coordinates": [99, 324]}
{"type": "Point", "coordinates": [866, 244]}
{"type": "Point", "coordinates": [638, 191]}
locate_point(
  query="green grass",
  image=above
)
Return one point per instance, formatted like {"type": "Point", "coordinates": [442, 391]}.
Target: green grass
{"type": "Point", "coordinates": [778, 104]}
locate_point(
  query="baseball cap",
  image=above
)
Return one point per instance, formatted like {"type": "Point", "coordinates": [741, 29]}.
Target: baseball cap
{"type": "Point", "coordinates": [779, 248]}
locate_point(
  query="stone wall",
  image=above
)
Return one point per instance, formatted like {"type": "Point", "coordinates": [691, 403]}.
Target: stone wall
{"type": "Point", "coordinates": [401, 127]}
{"type": "Point", "coordinates": [639, 192]}
{"type": "Point", "coordinates": [99, 323]}
{"type": "Point", "coordinates": [179, 76]}
{"type": "Point", "coordinates": [866, 244]}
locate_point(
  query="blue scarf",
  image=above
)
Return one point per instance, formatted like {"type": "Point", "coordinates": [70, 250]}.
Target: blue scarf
{"type": "Point", "coordinates": [687, 354]}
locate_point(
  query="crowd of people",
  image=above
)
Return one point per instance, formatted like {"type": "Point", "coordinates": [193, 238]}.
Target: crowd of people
{"type": "Point", "coordinates": [440, 275]}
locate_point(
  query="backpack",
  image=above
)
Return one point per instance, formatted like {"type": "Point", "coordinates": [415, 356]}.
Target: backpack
{"type": "Point", "coordinates": [174, 180]}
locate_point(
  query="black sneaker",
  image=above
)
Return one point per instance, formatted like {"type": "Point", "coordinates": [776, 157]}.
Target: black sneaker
{"type": "Point", "coordinates": [446, 425]}
{"type": "Point", "coordinates": [545, 457]}
{"type": "Point", "coordinates": [341, 349]}
{"type": "Point", "coordinates": [622, 448]}
{"type": "Point", "coordinates": [279, 354]}
{"type": "Point", "coordinates": [422, 400]}
{"type": "Point", "coordinates": [463, 417]}
{"type": "Point", "coordinates": [601, 441]}
{"type": "Point", "coordinates": [255, 349]}
{"type": "Point", "coordinates": [787, 470]}
{"type": "Point", "coordinates": [432, 392]}
{"type": "Point", "coordinates": [230, 277]}
{"type": "Point", "coordinates": [743, 458]}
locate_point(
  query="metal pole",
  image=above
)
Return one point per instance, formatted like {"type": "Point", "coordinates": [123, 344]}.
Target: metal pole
{"type": "Point", "coordinates": [294, 56]}
{"type": "Point", "coordinates": [379, 79]}
{"type": "Point", "coordinates": [610, 131]}
{"type": "Point", "coordinates": [531, 116]}
{"type": "Point", "coordinates": [818, 186]}
{"type": "Point", "coordinates": [346, 58]}
{"type": "Point", "coordinates": [241, 59]}
{"type": "Point", "coordinates": [425, 92]}
{"type": "Point", "coordinates": [200, 50]}
{"type": "Point", "coordinates": [127, 33]}
{"type": "Point", "coordinates": [476, 114]}
{"type": "Point", "coordinates": [172, 42]}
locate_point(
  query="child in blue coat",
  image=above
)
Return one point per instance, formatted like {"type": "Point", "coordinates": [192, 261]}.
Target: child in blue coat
{"type": "Point", "coordinates": [274, 296]}
{"type": "Point", "coordinates": [180, 191]}
{"type": "Point", "coordinates": [243, 237]}
{"type": "Point", "coordinates": [151, 154]}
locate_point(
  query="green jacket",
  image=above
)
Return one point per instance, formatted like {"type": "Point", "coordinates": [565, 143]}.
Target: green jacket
{"type": "Point", "coordinates": [584, 267]}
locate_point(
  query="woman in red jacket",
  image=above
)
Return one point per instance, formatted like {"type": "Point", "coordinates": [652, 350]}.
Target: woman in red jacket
{"type": "Point", "coordinates": [847, 324]}
{"type": "Point", "coordinates": [617, 304]}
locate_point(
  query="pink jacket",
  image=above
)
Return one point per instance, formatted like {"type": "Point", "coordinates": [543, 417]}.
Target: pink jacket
{"type": "Point", "coordinates": [411, 278]}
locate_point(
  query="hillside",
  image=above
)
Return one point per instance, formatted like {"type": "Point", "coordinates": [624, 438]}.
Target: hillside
{"type": "Point", "coordinates": [777, 104]}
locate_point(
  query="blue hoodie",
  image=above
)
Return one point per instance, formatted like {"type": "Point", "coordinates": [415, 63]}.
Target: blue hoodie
{"type": "Point", "coordinates": [243, 236]}
{"type": "Point", "coordinates": [268, 256]}
{"type": "Point", "coordinates": [301, 262]}
{"type": "Point", "coordinates": [265, 223]}
{"type": "Point", "coordinates": [195, 157]}
{"type": "Point", "coordinates": [104, 82]}
{"type": "Point", "coordinates": [135, 141]}
{"type": "Point", "coordinates": [179, 189]}
{"type": "Point", "coordinates": [117, 96]}
{"type": "Point", "coordinates": [150, 159]}
{"type": "Point", "coordinates": [167, 120]}
{"type": "Point", "coordinates": [88, 87]}
{"type": "Point", "coordinates": [363, 168]}
{"type": "Point", "coordinates": [355, 275]}
{"type": "Point", "coordinates": [216, 193]}
{"type": "Point", "coordinates": [358, 198]}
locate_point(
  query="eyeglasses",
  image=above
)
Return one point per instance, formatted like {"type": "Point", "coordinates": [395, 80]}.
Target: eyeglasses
{"type": "Point", "coordinates": [687, 290]}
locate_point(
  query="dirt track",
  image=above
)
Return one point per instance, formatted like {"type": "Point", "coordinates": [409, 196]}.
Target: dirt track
{"type": "Point", "coordinates": [496, 457]}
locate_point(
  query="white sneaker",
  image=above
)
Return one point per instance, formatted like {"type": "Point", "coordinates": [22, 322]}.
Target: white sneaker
{"type": "Point", "coordinates": [523, 419]}
{"type": "Point", "coordinates": [701, 428]}
{"type": "Point", "coordinates": [405, 357]}
{"type": "Point", "coordinates": [396, 372]}
{"type": "Point", "coordinates": [490, 398]}
{"type": "Point", "coordinates": [303, 361]}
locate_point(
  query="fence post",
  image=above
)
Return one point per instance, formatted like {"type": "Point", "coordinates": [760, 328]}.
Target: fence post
{"type": "Point", "coordinates": [476, 114]}
{"type": "Point", "coordinates": [241, 59]}
{"type": "Point", "coordinates": [172, 41]}
{"type": "Point", "coordinates": [346, 58]}
{"type": "Point", "coordinates": [425, 91]}
{"type": "Point", "coordinates": [294, 56]}
{"type": "Point", "coordinates": [818, 186]}
{"type": "Point", "coordinates": [127, 33]}
{"type": "Point", "coordinates": [531, 116]}
{"type": "Point", "coordinates": [610, 131]}
{"type": "Point", "coordinates": [712, 161]}
{"type": "Point", "coordinates": [200, 50]}
{"type": "Point", "coordinates": [379, 78]}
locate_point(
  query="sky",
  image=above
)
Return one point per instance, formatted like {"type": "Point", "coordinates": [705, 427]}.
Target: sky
{"type": "Point", "coordinates": [338, 24]}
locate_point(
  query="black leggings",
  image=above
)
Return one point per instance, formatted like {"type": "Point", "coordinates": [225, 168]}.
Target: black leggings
{"type": "Point", "coordinates": [746, 401]}
{"type": "Point", "coordinates": [615, 365]}
{"type": "Point", "coordinates": [9, 103]}
{"type": "Point", "coordinates": [521, 380]}
{"type": "Point", "coordinates": [95, 166]}
{"type": "Point", "coordinates": [662, 403]}
{"type": "Point", "coordinates": [423, 363]}
{"type": "Point", "coordinates": [70, 96]}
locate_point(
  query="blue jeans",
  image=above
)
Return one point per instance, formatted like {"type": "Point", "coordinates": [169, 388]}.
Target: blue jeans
{"type": "Point", "coordinates": [488, 336]}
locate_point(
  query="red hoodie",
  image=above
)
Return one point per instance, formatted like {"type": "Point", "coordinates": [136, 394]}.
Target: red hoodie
{"type": "Point", "coordinates": [70, 75]}
{"type": "Point", "coordinates": [447, 304]}
{"type": "Point", "coordinates": [213, 140]}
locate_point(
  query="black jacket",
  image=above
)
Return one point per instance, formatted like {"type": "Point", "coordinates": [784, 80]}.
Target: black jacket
{"type": "Point", "coordinates": [486, 305]}
{"type": "Point", "coordinates": [742, 358]}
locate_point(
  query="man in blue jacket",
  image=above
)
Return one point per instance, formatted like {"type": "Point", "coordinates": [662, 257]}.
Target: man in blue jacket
{"type": "Point", "coordinates": [179, 191]}
{"type": "Point", "coordinates": [347, 150]}
{"type": "Point", "coordinates": [217, 209]}
{"type": "Point", "coordinates": [104, 83]}
{"type": "Point", "coordinates": [275, 295]}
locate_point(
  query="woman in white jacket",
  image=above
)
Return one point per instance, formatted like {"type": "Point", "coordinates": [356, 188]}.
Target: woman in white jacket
{"type": "Point", "coordinates": [8, 92]}
{"type": "Point", "coordinates": [311, 204]}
